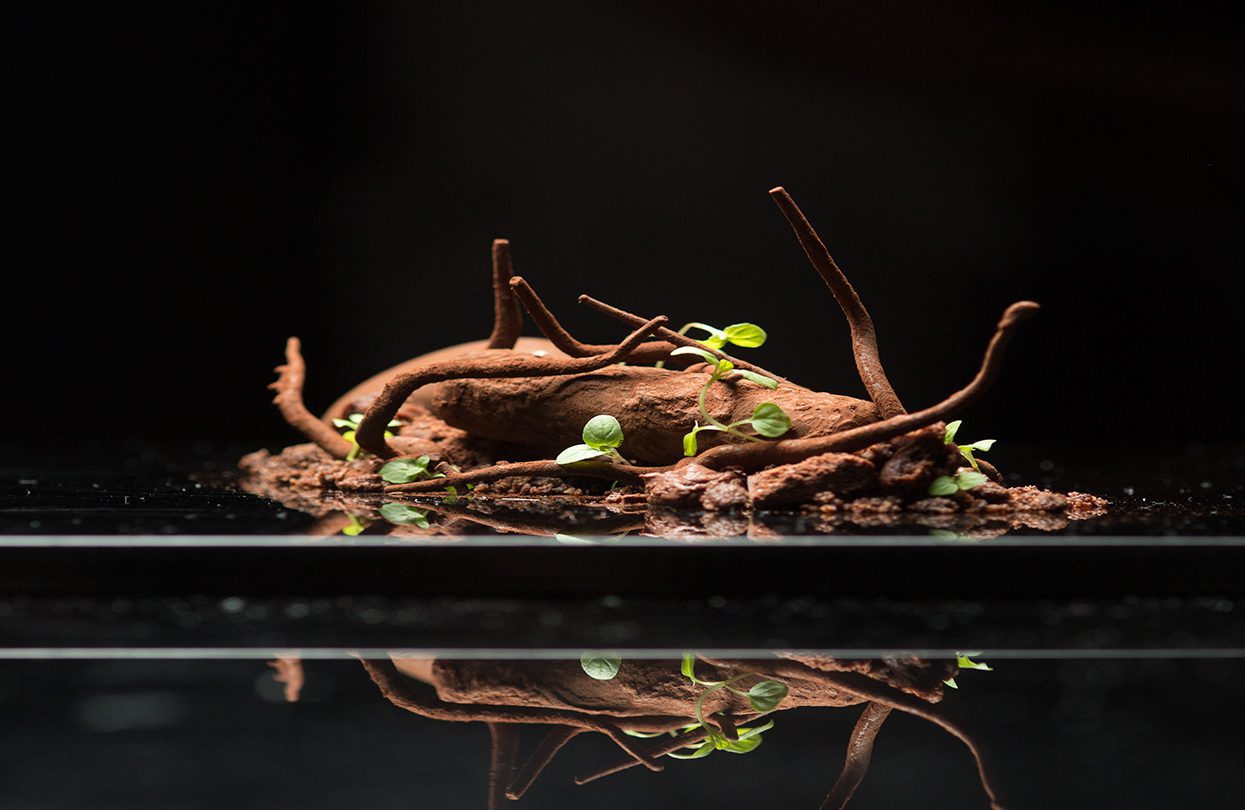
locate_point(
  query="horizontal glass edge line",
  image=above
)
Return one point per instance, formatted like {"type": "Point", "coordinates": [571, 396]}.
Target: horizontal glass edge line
{"type": "Point", "coordinates": [502, 653]}
{"type": "Point", "coordinates": [581, 541]}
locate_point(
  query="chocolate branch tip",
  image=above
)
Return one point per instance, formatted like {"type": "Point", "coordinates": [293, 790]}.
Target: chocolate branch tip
{"type": "Point", "coordinates": [776, 191]}
{"type": "Point", "coordinates": [1019, 311]}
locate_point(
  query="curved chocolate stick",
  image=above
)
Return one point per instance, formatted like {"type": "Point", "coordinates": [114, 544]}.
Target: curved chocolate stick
{"type": "Point", "coordinates": [859, 752]}
{"type": "Point", "coordinates": [864, 337]}
{"type": "Point", "coordinates": [507, 320]}
{"type": "Point", "coordinates": [289, 400]}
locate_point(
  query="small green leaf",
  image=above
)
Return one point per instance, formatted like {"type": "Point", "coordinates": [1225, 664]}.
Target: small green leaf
{"type": "Point", "coordinates": [577, 453]}
{"type": "Point", "coordinates": [965, 662]}
{"type": "Point", "coordinates": [742, 746]}
{"type": "Point", "coordinates": [394, 423]}
{"type": "Point", "coordinates": [952, 427]}
{"type": "Point", "coordinates": [343, 423]}
{"type": "Point", "coordinates": [603, 432]}
{"type": "Point", "coordinates": [770, 420]}
{"type": "Point", "coordinates": [714, 341]}
{"type": "Point", "coordinates": [951, 682]}
{"type": "Point", "coordinates": [354, 528]}
{"type": "Point", "coordinates": [703, 751]}
{"type": "Point", "coordinates": [759, 379]}
{"type": "Point", "coordinates": [401, 514]}
{"type": "Point", "coordinates": [765, 695]}
{"type": "Point", "coordinates": [689, 443]}
{"type": "Point", "coordinates": [600, 666]}
{"type": "Point", "coordinates": [982, 446]}
{"type": "Point", "coordinates": [696, 350]}
{"type": "Point", "coordinates": [943, 485]}
{"type": "Point", "coordinates": [752, 731]}
{"type": "Point", "coordinates": [968, 480]}
{"type": "Point", "coordinates": [747, 335]}
{"type": "Point", "coordinates": [688, 668]}
{"type": "Point", "coordinates": [723, 367]}
{"type": "Point", "coordinates": [406, 470]}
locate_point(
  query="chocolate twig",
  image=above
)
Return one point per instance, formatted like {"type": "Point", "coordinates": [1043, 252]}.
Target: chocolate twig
{"type": "Point", "coordinates": [550, 327]}
{"type": "Point", "coordinates": [507, 320]}
{"type": "Point", "coordinates": [864, 337]}
{"type": "Point", "coordinates": [674, 337]}
{"type": "Point", "coordinates": [289, 400]}
{"type": "Point", "coordinates": [859, 752]}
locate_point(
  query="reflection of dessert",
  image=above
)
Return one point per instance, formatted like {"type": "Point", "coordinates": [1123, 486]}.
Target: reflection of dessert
{"type": "Point", "coordinates": [659, 413]}
{"type": "Point", "coordinates": [656, 709]}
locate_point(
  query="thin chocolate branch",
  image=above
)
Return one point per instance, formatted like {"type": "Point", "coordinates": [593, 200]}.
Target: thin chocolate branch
{"type": "Point", "coordinates": [608, 471]}
{"type": "Point", "coordinates": [674, 337]}
{"type": "Point", "coordinates": [754, 456]}
{"type": "Point", "coordinates": [371, 431]}
{"type": "Point", "coordinates": [507, 319]}
{"type": "Point", "coordinates": [504, 743]}
{"type": "Point", "coordinates": [859, 752]}
{"type": "Point", "coordinates": [864, 337]}
{"type": "Point", "coordinates": [662, 748]}
{"type": "Point", "coordinates": [549, 326]}
{"type": "Point", "coordinates": [546, 750]}
{"type": "Point", "coordinates": [289, 400]}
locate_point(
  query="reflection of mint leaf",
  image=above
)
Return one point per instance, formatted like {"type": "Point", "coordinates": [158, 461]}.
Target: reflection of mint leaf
{"type": "Point", "coordinates": [742, 746]}
{"type": "Point", "coordinates": [964, 662]}
{"type": "Point", "coordinates": [703, 751]}
{"type": "Point", "coordinates": [401, 514]}
{"type": "Point", "coordinates": [600, 666]}
{"type": "Point", "coordinates": [765, 695]}
{"type": "Point", "coordinates": [603, 432]}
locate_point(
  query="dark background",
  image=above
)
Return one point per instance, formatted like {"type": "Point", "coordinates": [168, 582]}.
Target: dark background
{"type": "Point", "coordinates": [189, 184]}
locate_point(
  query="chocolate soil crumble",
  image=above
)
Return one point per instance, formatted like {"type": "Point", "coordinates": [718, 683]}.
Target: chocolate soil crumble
{"type": "Point", "coordinates": [500, 420]}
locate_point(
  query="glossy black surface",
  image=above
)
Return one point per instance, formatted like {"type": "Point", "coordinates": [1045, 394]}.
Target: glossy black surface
{"type": "Point", "coordinates": [141, 599]}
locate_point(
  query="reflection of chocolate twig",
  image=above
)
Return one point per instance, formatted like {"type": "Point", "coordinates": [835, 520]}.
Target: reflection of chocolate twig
{"type": "Point", "coordinates": [289, 671]}
{"type": "Point", "coordinates": [424, 702]}
{"type": "Point", "coordinates": [859, 752]}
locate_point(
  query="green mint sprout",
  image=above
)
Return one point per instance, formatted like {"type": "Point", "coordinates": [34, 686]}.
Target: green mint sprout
{"type": "Point", "coordinates": [406, 470]}
{"type": "Point", "coordinates": [602, 436]}
{"type": "Point", "coordinates": [767, 419]}
{"type": "Point", "coordinates": [351, 425]}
